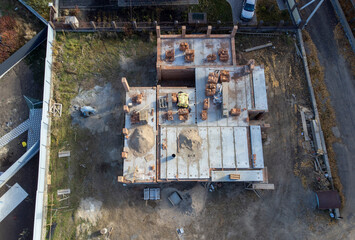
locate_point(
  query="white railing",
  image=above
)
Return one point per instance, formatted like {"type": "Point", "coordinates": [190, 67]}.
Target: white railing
{"type": "Point", "coordinates": [39, 228]}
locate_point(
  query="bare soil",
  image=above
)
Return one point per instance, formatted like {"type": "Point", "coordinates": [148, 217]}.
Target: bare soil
{"type": "Point", "coordinates": [230, 212]}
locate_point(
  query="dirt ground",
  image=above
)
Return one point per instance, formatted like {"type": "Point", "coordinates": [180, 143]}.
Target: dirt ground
{"type": "Point", "coordinates": [231, 212]}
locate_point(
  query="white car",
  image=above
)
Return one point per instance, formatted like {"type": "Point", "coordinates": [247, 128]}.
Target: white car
{"type": "Point", "coordinates": [248, 10]}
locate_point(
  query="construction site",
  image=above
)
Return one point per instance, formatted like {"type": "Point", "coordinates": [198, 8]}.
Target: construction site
{"type": "Point", "coordinates": [169, 130]}
{"type": "Point", "coordinates": [179, 137]}
{"type": "Point", "coordinates": [207, 130]}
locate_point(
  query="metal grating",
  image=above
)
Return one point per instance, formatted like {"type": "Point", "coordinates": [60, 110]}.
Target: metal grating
{"type": "Point", "coordinates": [14, 133]}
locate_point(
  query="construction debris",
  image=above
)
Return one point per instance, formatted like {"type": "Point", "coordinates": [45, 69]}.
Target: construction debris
{"type": "Point", "coordinates": [225, 76]}
{"type": "Point", "coordinates": [223, 55]}
{"type": "Point", "coordinates": [170, 55]}
{"type": "Point", "coordinates": [184, 46]}
{"type": "Point", "coordinates": [189, 55]}
{"type": "Point", "coordinates": [183, 114]}
{"type": "Point", "coordinates": [211, 57]}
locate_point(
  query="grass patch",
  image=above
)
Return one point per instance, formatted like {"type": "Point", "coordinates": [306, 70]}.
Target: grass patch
{"type": "Point", "coordinates": [215, 9]}
{"type": "Point", "coordinates": [40, 6]}
{"type": "Point", "coordinates": [269, 12]}
{"type": "Point", "coordinates": [326, 111]}
{"type": "Point", "coordinates": [82, 61]}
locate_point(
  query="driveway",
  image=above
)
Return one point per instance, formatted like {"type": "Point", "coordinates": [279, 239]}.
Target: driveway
{"type": "Point", "coordinates": [236, 6]}
{"type": "Point", "coordinates": [341, 86]}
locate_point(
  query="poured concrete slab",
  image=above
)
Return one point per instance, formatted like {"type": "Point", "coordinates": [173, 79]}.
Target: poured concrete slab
{"type": "Point", "coordinates": [140, 168]}
{"type": "Point", "coordinates": [256, 147]}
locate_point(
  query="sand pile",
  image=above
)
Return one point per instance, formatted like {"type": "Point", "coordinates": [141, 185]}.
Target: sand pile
{"type": "Point", "coordinates": [189, 139]}
{"type": "Point", "coordinates": [142, 140]}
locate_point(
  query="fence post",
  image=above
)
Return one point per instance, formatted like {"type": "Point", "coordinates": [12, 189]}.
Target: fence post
{"type": "Point", "coordinates": [281, 24]}
{"type": "Point", "coordinates": [209, 30]}
{"type": "Point", "coordinates": [113, 23]}
{"type": "Point", "coordinates": [93, 25]}
{"type": "Point", "coordinates": [261, 22]}
{"type": "Point", "coordinates": [234, 31]}
{"type": "Point", "coordinates": [157, 29]}
{"type": "Point", "coordinates": [183, 31]}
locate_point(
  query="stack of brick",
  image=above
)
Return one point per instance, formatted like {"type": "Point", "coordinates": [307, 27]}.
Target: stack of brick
{"type": "Point", "coordinates": [213, 78]}
{"type": "Point", "coordinates": [225, 76]}
{"type": "Point", "coordinates": [206, 104]}
{"type": "Point", "coordinates": [210, 89]}
{"type": "Point", "coordinates": [211, 58]}
{"type": "Point", "coordinates": [183, 114]}
{"type": "Point", "coordinates": [184, 46]}
{"type": "Point", "coordinates": [212, 84]}
{"type": "Point", "coordinates": [170, 55]}
{"type": "Point", "coordinates": [135, 117]}
{"type": "Point", "coordinates": [204, 115]}
{"type": "Point", "coordinates": [189, 55]}
{"type": "Point", "coordinates": [223, 55]}
{"type": "Point", "coordinates": [170, 116]}
{"type": "Point", "coordinates": [137, 99]}
{"type": "Point", "coordinates": [235, 111]}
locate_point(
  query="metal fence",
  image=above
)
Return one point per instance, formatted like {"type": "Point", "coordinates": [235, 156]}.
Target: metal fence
{"type": "Point", "coordinates": [41, 195]}
{"type": "Point", "coordinates": [167, 26]}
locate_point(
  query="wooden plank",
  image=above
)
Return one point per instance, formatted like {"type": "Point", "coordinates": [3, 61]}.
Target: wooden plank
{"type": "Point", "coordinates": [234, 176]}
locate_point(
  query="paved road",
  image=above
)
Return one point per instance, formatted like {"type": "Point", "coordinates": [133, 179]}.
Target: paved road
{"type": "Point", "coordinates": [341, 86]}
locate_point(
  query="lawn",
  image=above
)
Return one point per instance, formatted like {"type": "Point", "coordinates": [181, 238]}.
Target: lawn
{"type": "Point", "coordinates": [83, 61]}
{"type": "Point", "coordinates": [269, 12]}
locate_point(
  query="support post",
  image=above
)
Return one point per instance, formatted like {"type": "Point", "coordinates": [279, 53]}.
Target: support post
{"type": "Point", "coordinates": [183, 31]}
{"type": "Point", "coordinates": [134, 25]}
{"type": "Point", "coordinates": [93, 25]}
{"type": "Point", "coordinates": [157, 29]}
{"type": "Point", "coordinates": [209, 30]}
{"type": "Point", "coordinates": [125, 84]}
{"type": "Point", "coordinates": [113, 23]}
{"type": "Point", "coordinates": [234, 31]}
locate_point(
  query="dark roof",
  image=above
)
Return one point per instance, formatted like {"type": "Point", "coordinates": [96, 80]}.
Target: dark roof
{"type": "Point", "coordinates": [328, 199]}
